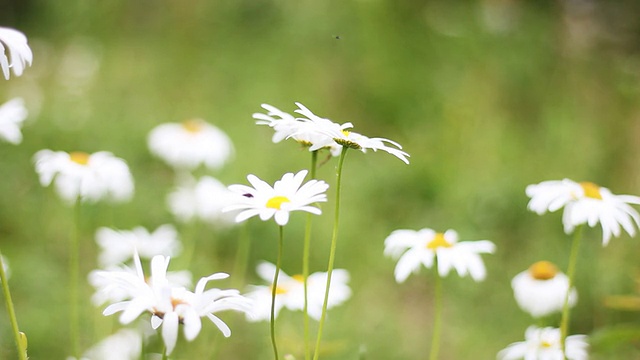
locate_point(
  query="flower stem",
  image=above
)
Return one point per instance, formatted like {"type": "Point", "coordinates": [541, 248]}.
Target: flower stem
{"type": "Point", "coordinates": [305, 265]}
{"type": "Point", "coordinates": [437, 321]}
{"type": "Point", "coordinates": [332, 253]}
{"type": "Point", "coordinates": [22, 353]}
{"type": "Point", "coordinates": [164, 353]}
{"type": "Point", "coordinates": [573, 258]}
{"type": "Point", "coordinates": [74, 270]}
{"type": "Point", "coordinates": [274, 288]}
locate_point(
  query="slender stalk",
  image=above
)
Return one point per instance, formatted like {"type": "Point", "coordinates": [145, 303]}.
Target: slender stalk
{"type": "Point", "coordinates": [164, 353]}
{"type": "Point", "coordinates": [332, 253]}
{"type": "Point", "coordinates": [274, 289]}
{"type": "Point", "coordinates": [437, 321]}
{"type": "Point", "coordinates": [573, 259]}
{"type": "Point", "coordinates": [22, 353]}
{"type": "Point", "coordinates": [305, 265]}
{"type": "Point", "coordinates": [74, 271]}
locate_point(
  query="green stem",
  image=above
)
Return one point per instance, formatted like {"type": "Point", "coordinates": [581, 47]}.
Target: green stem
{"type": "Point", "coordinates": [332, 253]}
{"type": "Point", "coordinates": [305, 265]}
{"type": "Point", "coordinates": [22, 353]}
{"type": "Point", "coordinates": [164, 353]}
{"type": "Point", "coordinates": [74, 271]}
{"type": "Point", "coordinates": [437, 322]}
{"type": "Point", "coordinates": [274, 288]}
{"type": "Point", "coordinates": [573, 259]}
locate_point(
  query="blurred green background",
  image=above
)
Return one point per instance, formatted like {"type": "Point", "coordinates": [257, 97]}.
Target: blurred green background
{"type": "Point", "coordinates": [487, 97]}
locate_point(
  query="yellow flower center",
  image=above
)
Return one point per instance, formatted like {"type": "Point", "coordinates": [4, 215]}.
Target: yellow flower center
{"type": "Point", "coordinates": [543, 270]}
{"type": "Point", "coordinates": [546, 344]}
{"type": "Point", "coordinates": [175, 302]}
{"type": "Point", "coordinates": [79, 157]}
{"type": "Point", "coordinates": [346, 132]}
{"type": "Point", "coordinates": [438, 241]}
{"type": "Point", "coordinates": [591, 190]}
{"type": "Point", "coordinates": [299, 278]}
{"type": "Point", "coordinates": [193, 125]}
{"type": "Point", "coordinates": [277, 201]}
{"type": "Point", "coordinates": [280, 289]}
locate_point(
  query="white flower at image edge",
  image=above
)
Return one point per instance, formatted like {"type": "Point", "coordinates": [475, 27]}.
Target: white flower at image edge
{"type": "Point", "coordinates": [290, 292]}
{"type": "Point", "coordinates": [12, 115]}
{"type": "Point", "coordinates": [416, 248]}
{"type": "Point", "coordinates": [544, 344]}
{"type": "Point", "coordinates": [585, 202]}
{"type": "Point", "coordinates": [90, 177]}
{"type": "Point", "coordinates": [287, 195]}
{"type": "Point", "coordinates": [190, 144]}
{"type": "Point", "coordinates": [541, 290]}
{"type": "Point", "coordinates": [15, 44]}
{"type": "Point", "coordinates": [117, 246]}
{"type": "Point", "coordinates": [171, 306]}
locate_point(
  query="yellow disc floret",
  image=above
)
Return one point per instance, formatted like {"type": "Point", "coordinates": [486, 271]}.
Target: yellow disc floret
{"type": "Point", "coordinates": [79, 157]}
{"type": "Point", "coordinates": [277, 201]}
{"type": "Point", "coordinates": [543, 270]}
{"type": "Point", "coordinates": [438, 241]}
{"type": "Point", "coordinates": [193, 125]}
{"type": "Point", "coordinates": [591, 190]}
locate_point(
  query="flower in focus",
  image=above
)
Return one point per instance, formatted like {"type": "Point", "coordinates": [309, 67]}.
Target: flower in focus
{"type": "Point", "coordinates": [203, 200]}
{"type": "Point", "coordinates": [290, 292]}
{"type": "Point", "coordinates": [585, 202]}
{"type": "Point", "coordinates": [88, 177]}
{"type": "Point", "coordinates": [170, 305]}
{"type": "Point", "coordinates": [14, 43]}
{"type": "Point", "coordinates": [12, 115]}
{"type": "Point", "coordinates": [541, 289]}
{"type": "Point", "coordinates": [287, 194]}
{"type": "Point", "coordinates": [544, 344]}
{"type": "Point", "coordinates": [190, 144]}
{"type": "Point", "coordinates": [118, 245]}
{"type": "Point", "coordinates": [415, 248]}
{"type": "Point", "coordinates": [126, 344]}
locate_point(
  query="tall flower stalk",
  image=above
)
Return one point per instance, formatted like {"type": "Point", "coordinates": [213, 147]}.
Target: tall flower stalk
{"type": "Point", "coordinates": [17, 336]}
{"type": "Point", "coordinates": [274, 290]}
{"type": "Point", "coordinates": [332, 253]}
{"type": "Point", "coordinates": [437, 321]}
{"type": "Point", "coordinates": [305, 266]}
{"type": "Point", "coordinates": [573, 259]}
{"type": "Point", "coordinates": [74, 271]}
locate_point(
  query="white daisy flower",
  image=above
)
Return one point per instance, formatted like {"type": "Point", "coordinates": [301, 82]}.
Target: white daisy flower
{"type": "Point", "coordinates": [290, 292]}
{"type": "Point", "coordinates": [586, 202]}
{"type": "Point", "coordinates": [14, 44]}
{"type": "Point", "coordinates": [190, 144]}
{"type": "Point", "coordinates": [544, 344]}
{"type": "Point", "coordinates": [126, 344]}
{"type": "Point", "coordinates": [89, 177]}
{"type": "Point", "coordinates": [542, 289]}
{"type": "Point", "coordinates": [287, 194]}
{"type": "Point", "coordinates": [118, 245]}
{"type": "Point", "coordinates": [12, 115]}
{"type": "Point", "coordinates": [171, 306]}
{"type": "Point", "coordinates": [339, 134]}
{"type": "Point", "coordinates": [415, 248]}
{"type": "Point", "coordinates": [203, 199]}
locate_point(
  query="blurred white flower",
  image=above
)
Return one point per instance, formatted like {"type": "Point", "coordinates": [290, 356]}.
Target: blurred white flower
{"type": "Point", "coordinates": [290, 292]}
{"type": "Point", "coordinates": [544, 344]}
{"type": "Point", "coordinates": [118, 245]}
{"type": "Point", "coordinates": [171, 306]}
{"type": "Point", "coordinates": [415, 248]}
{"type": "Point", "coordinates": [190, 144]}
{"type": "Point", "coordinates": [12, 115]}
{"type": "Point", "coordinates": [287, 194]}
{"type": "Point", "coordinates": [585, 202]}
{"type": "Point", "coordinates": [203, 200]}
{"type": "Point", "coordinates": [14, 43]}
{"type": "Point", "coordinates": [126, 344]}
{"type": "Point", "coordinates": [542, 289]}
{"type": "Point", "coordinates": [89, 177]}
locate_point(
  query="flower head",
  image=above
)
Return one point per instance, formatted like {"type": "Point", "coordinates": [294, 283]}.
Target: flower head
{"type": "Point", "coordinates": [542, 289]}
{"type": "Point", "coordinates": [544, 344]}
{"type": "Point", "coordinates": [585, 202]}
{"type": "Point", "coordinates": [14, 44]}
{"type": "Point", "coordinates": [203, 199]}
{"type": "Point", "coordinates": [88, 177]}
{"type": "Point", "coordinates": [12, 115]}
{"type": "Point", "coordinates": [415, 248]}
{"type": "Point", "coordinates": [118, 245]}
{"type": "Point", "coordinates": [290, 292]}
{"type": "Point", "coordinates": [190, 144]}
{"type": "Point", "coordinates": [287, 194]}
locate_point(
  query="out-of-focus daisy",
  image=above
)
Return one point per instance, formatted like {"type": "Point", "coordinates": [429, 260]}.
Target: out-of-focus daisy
{"type": "Point", "coordinates": [203, 199]}
{"type": "Point", "coordinates": [544, 344]}
{"type": "Point", "coordinates": [541, 290]}
{"type": "Point", "coordinates": [89, 177]}
{"type": "Point", "coordinates": [415, 248]}
{"type": "Point", "coordinates": [192, 143]}
{"type": "Point", "coordinates": [585, 202]}
{"type": "Point", "coordinates": [290, 292]}
{"type": "Point", "coordinates": [12, 115]}
{"type": "Point", "coordinates": [126, 344]}
{"type": "Point", "coordinates": [339, 134]}
{"type": "Point", "coordinates": [287, 194]}
{"type": "Point", "coordinates": [171, 306]}
{"type": "Point", "coordinates": [287, 126]}
{"type": "Point", "coordinates": [14, 44]}
{"type": "Point", "coordinates": [118, 245]}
